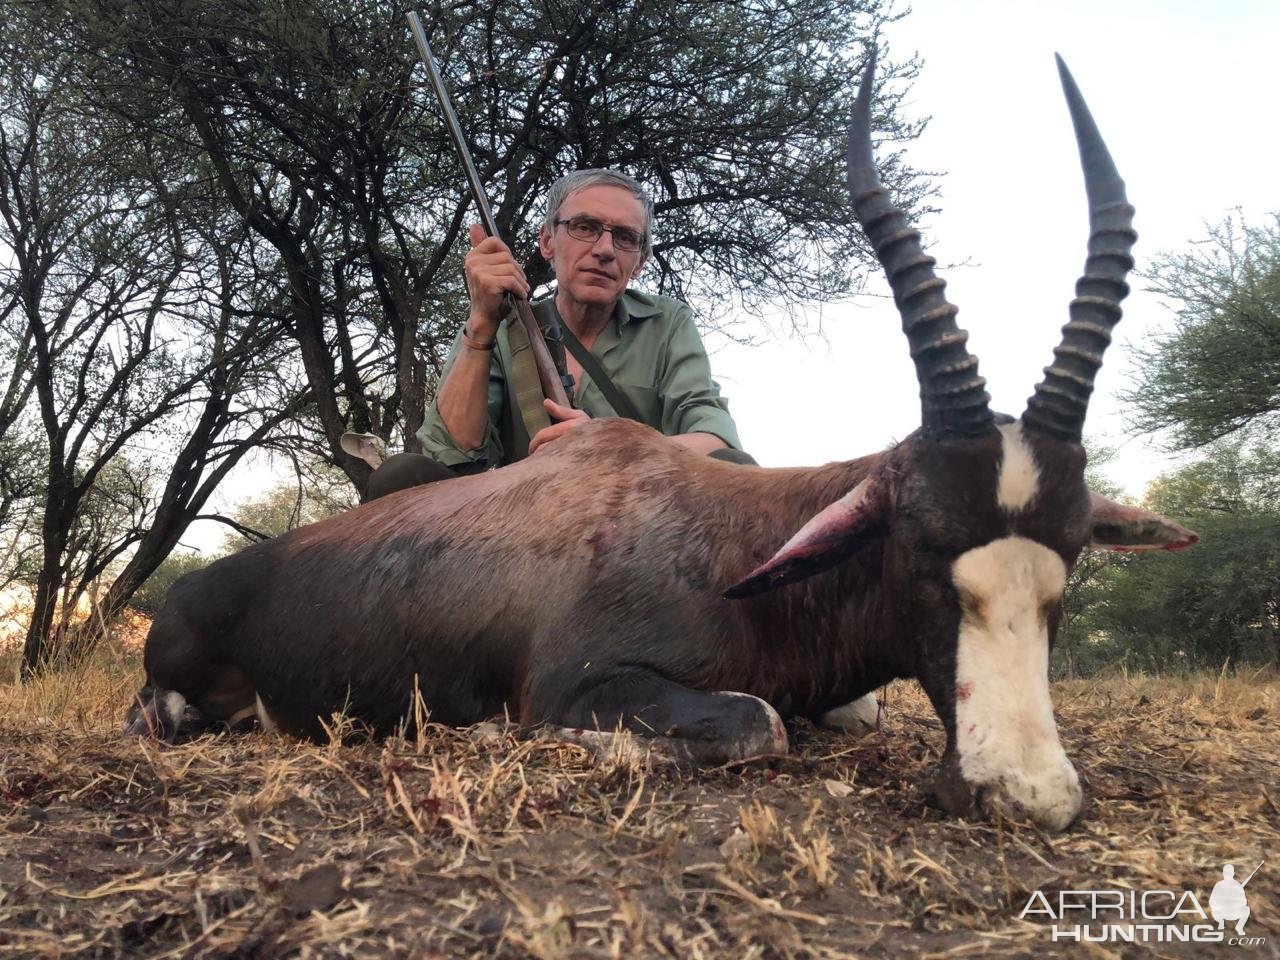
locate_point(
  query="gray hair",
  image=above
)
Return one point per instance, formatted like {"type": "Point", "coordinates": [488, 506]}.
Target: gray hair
{"type": "Point", "coordinates": [571, 183]}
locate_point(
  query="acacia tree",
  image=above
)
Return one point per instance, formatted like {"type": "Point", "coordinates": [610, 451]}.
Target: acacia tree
{"type": "Point", "coordinates": [127, 309]}
{"type": "Point", "coordinates": [192, 191]}
{"type": "Point", "coordinates": [71, 231]}
{"type": "Point", "coordinates": [1217, 371]}
{"type": "Point", "coordinates": [1215, 602]}
{"type": "Point", "coordinates": [1212, 382]}
{"type": "Point", "coordinates": [20, 487]}
{"type": "Point", "coordinates": [235, 401]}
{"type": "Point", "coordinates": [330, 150]}
{"type": "Point", "coordinates": [20, 454]}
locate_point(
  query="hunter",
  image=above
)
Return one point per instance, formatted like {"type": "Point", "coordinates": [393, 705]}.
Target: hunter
{"type": "Point", "coordinates": [636, 355]}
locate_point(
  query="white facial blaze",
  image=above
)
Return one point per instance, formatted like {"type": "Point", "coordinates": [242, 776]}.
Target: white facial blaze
{"type": "Point", "coordinates": [1005, 732]}
{"type": "Point", "coordinates": [1019, 476]}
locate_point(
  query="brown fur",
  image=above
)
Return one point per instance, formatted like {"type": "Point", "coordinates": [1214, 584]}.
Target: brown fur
{"type": "Point", "coordinates": [519, 588]}
{"type": "Point", "coordinates": [614, 545]}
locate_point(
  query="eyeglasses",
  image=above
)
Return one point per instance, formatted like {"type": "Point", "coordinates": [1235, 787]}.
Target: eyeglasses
{"type": "Point", "coordinates": [589, 229]}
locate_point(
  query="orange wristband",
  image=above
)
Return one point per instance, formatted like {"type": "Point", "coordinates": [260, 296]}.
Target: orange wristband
{"type": "Point", "coordinates": [475, 344]}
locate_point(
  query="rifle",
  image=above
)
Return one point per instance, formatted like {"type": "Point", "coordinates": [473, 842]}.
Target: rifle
{"type": "Point", "coordinates": [556, 381]}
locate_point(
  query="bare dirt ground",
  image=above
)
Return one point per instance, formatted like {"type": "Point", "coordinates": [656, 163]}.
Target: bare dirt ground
{"type": "Point", "coordinates": [457, 845]}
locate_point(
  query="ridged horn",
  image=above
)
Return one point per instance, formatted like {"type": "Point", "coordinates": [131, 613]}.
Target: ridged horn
{"type": "Point", "coordinates": [953, 398]}
{"type": "Point", "coordinates": [1061, 399]}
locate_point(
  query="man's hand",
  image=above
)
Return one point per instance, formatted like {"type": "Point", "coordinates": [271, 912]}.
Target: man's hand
{"type": "Point", "coordinates": [491, 271]}
{"type": "Point", "coordinates": [568, 418]}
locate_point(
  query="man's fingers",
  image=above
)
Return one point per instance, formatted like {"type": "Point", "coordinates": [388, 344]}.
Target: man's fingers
{"type": "Point", "coordinates": [488, 248]}
{"type": "Point", "coordinates": [546, 435]}
{"type": "Point", "coordinates": [499, 281]}
{"type": "Point", "coordinates": [569, 418]}
{"type": "Point", "coordinates": [491, 269]}
{"type": "Point", "coordinates": [563, 413]}
{"type": "Point", "coordinates": [491, 272]}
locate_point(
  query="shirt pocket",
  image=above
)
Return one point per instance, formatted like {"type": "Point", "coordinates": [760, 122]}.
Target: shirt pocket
{"type": "Point", "coordinates": [645, 399]}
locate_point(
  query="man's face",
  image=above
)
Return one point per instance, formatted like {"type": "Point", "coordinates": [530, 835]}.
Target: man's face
{"type": "Point", "coordinates": [594, 273]}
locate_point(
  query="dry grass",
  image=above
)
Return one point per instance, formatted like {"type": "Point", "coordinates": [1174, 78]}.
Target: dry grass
{"type": "Point", "coordinates": [467, 844]}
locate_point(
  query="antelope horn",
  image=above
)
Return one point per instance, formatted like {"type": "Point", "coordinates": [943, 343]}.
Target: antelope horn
{"type": "Point", "coordinates": [1061, 399]}
{"type": "Point", "coordinates": [953, 400]}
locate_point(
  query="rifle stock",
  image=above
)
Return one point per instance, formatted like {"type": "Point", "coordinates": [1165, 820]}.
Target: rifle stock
{"type": "Point", "coordinates": [553, 378]}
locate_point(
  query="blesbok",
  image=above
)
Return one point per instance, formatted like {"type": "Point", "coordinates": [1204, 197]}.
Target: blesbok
{"type": "Point", "coordinates": [616, 579]}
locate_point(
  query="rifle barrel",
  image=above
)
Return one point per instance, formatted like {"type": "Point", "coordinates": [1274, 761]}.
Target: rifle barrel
{"type": "Point", "coordinates": [455, 129]}
{"type": "Point", "coordinates": [553, 375]}
{"type": "Point", "coordinates": [1250, 876]}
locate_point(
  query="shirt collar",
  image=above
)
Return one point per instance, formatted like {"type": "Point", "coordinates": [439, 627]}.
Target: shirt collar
{"type": "Point", "coordinates": [635, 305]}
{"type": "Point", "coordinates": [632, 305]}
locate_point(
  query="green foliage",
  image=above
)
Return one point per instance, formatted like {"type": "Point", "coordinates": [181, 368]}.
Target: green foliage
{"type": "Point", "coordinates": [1215, 375]}
{"type": "Point", "coordinates": [21, 487]}
{"type": "Point", "coordinates": [236, 225]}
{"type": "Point", "coordinates": [1090, 579]}
{"type": "Point", "coordinates": [151, 594]}
{"type": "Point", "coordinates": [1198, 607]}
{"type": "Point", "coordinates": [1218, 371]}
{"type": "Point", "coordinates": [315, 124]}
{"type": "Point", "coordinates": [320, 492]}
{"type": "Point", "coordinates": [130, 314]}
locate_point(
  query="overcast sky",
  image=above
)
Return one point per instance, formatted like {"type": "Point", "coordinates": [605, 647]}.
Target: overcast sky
{"type": "Point", "coordinates": [1184, 93]}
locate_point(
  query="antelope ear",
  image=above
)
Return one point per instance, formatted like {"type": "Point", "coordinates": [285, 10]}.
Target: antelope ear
{"type": "Point", "coordinates": [364, 446]}
{"type": "Point", "coordinates": [1128, 529]}
{"type": "Point", "coordinates": [831, 535]}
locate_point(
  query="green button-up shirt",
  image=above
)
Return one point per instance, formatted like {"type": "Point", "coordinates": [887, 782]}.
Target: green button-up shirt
{"type": "Point", "coordinates": [651, 351]}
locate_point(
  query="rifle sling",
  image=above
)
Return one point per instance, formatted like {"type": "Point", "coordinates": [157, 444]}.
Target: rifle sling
{"type": "Point", "coordinates": [526, 388]}
{"type": "Point", "coordinates": [617, 399]}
